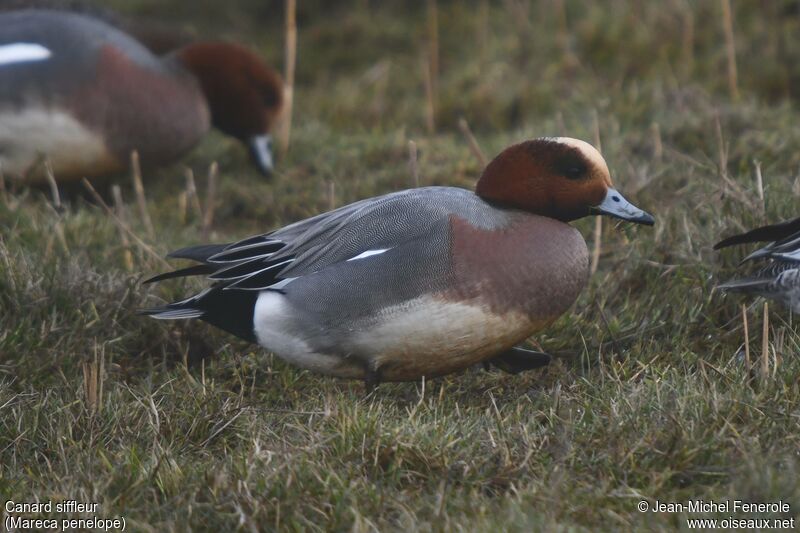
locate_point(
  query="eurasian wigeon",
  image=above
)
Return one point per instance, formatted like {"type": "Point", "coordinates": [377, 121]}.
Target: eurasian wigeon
{"type": "Point", "coordinates": [84, 94]}
{"type": "Point", "coordinates": [779, 278]}
{"type": "Point", "coordinates": [421, 282]}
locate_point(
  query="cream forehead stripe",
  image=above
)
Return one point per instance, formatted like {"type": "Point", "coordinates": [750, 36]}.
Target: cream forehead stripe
{"type": "Point", "coordinates": [21, 52]}
{"type": "Point", "coordinates": [587, 150]}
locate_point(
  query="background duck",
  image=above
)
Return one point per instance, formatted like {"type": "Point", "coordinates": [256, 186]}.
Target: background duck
{"type": "Point", "coordinates": [422, 282]}
{"type": "Point", "coordinates": [84, 94]}
{"type": "Point", "coordinates": [779, 279]}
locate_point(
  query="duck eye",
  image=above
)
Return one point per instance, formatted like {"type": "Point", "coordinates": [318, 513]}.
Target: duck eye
{"type": "Point", "coordinates": [574, 172]}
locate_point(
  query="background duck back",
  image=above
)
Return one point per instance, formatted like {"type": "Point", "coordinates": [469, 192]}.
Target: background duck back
{"type": "Point", "coordinates": [650, 395]}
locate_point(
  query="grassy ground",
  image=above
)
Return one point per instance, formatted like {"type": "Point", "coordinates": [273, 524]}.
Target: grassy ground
{"type": "Point", "coordinates": [650, 399]}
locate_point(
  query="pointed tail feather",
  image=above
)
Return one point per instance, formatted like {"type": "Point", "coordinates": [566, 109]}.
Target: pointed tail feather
{"type": "Point", "coordinates": [224, 304]}
{"type": "Point", "coordinates": [167, 313]}
{"type": "Point", "coordinates": [752, 285]}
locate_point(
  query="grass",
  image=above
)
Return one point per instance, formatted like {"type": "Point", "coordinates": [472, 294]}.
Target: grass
{"type": "Point", "coordinates": [648, 400]}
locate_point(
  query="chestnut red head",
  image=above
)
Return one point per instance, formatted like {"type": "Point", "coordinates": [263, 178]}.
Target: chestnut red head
{"type": "Point", "coordinates": [558, 177]}
{"type": "Point", "coordinates": [244, 95]}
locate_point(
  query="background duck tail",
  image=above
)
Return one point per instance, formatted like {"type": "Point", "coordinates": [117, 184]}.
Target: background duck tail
{"type": "Point", "coordinates": [774, 232]}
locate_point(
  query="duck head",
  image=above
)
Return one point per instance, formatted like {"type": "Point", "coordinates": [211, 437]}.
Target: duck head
{"type": "Point", "coordinates": [557, 177]}
{"type": "Point", "coordinates": [243, 94]}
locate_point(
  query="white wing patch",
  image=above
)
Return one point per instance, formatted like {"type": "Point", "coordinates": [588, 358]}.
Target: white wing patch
{"type": "Point", "coordinates": [22, 52]}
{"type": "Point", "coordinates": [369, 253]}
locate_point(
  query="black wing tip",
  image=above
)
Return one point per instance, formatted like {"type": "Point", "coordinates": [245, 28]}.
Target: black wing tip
{"type": "Point", "coordinates": [194, 270]}
{"type": "Point", "coordinates": [199, 252]}
{"type": "Point", "coordinates": [180, 253]}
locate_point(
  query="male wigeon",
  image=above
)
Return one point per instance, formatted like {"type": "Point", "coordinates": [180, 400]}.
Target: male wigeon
{"type": "Point", "coordinates": [421, 282]}
{"type": "Point", "coordinates": [84, 94]}
{"type": "Point", "coordinates": [779, 278]}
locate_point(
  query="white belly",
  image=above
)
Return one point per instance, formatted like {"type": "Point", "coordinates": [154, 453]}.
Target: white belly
{"type": "Point", "coordinates": [427, 336]}
{"type": "Point", "coordinates": [273, 318]}
{"type": "Point", "coordinates": [431, 336]}
{"type": "Point", "coordinates": [30, 135]}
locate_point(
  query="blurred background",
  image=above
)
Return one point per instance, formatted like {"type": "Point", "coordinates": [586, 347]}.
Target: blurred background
{"type": "Point", "coordinates": [642, 78]}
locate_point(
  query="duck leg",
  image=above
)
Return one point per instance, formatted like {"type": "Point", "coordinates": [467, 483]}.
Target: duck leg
{"type": "Point", "coordinates": [372, 379]}
{"type": "Point", "coordinates": [518, 360]}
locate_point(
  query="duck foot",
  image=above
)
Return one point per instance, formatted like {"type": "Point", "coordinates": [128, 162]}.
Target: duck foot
{"type": "Point", "coordinates": [518, 360]}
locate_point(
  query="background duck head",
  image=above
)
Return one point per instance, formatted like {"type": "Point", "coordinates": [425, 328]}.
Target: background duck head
{"type": "Point", "coordinates": [243, 94]}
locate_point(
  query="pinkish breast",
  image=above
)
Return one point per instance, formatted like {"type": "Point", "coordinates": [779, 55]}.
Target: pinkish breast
{"type": "Point", "coordinates": [535, 265]}
{"type": "Point", "coordinates": [161, 113]}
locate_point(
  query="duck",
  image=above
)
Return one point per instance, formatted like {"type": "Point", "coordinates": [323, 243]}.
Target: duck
{"type": "Point", "coordinates": [778, 277]}
{"type": "Point", "coordinates": [419, 282]}
{"type": "Point", "coordinates": [84, 95]}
